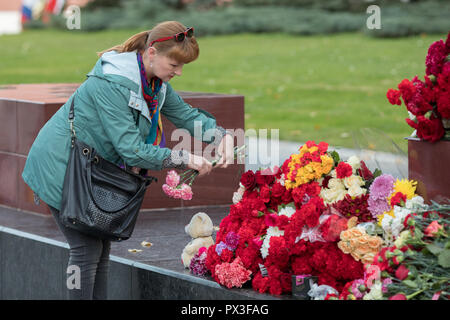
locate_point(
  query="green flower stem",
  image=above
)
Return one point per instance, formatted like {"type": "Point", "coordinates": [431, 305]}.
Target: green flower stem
{"type": "Point", "coordinates": [414, 294]}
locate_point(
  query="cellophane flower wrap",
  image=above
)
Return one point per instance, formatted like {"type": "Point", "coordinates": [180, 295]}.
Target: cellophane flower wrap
{"type": "Point", "coordinates": [428, 101]}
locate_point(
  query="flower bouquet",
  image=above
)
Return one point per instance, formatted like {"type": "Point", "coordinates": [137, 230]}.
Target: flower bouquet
{"type": "Point", "coordinates": [415, 266]}
{"type": "Point", "coordinates": [428, 102]}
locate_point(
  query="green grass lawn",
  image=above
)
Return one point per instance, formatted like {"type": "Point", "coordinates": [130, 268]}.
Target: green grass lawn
{"type": "Point", "coordinates": [322, 88]}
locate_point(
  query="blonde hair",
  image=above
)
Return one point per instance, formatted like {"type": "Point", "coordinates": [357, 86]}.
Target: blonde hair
{"type": "Point", "coordinates": [185, 51]}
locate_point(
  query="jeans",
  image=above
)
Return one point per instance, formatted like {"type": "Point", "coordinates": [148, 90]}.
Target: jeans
{"type": "Point", "coordinates": [89, 257]}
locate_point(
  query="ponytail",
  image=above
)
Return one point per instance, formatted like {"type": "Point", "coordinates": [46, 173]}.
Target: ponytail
{"type": "Point", "coordinates": [185, 51]}
{"type": "Point", "coordinates": [136, 42]}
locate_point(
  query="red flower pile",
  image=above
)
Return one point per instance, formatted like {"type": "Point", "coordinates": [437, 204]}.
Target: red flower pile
{"type": "Point", "coordinates": [284, 231]}
{"type": "Point", "coordinates": [428, 102]}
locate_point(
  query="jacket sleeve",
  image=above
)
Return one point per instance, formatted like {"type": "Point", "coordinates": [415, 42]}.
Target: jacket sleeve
{"type": "Point", "coordinates": [118, 122]}
{"type": "Point", "coordinates": [183, 115]}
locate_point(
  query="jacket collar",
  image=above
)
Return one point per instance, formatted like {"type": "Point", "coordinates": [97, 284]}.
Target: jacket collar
{"type": "Point", "coordinates": [123, 68]}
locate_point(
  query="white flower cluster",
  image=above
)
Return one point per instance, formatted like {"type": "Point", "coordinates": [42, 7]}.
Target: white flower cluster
{"type": "Point", "coordinates": [338, 188]}
{"type": "Point", "coordinates": [393, 225]}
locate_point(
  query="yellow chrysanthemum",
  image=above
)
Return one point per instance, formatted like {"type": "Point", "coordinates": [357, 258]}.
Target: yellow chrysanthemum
{"type": "Point", "coordinates": [407, 187]}
{"type": "Point", "coordinates": [327, 163]}
{"type": "Point", "coordinates": [299, 174]}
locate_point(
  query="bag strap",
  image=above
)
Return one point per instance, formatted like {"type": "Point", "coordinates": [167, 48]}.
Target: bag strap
{"type": "Point", "coordinates": [71, 117]}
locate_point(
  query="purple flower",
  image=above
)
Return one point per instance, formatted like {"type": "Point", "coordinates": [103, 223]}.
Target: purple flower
{"type": "Point", "coordinates": [232, 240]}
{"type": "Point", "coordinates": [382, 187]}
{"type": "Point", "coordinates": [377, 206]}
{"type": "Point", "coordinates": [220, 246]}
{"type": "Point", "coordinates": [198, 264]}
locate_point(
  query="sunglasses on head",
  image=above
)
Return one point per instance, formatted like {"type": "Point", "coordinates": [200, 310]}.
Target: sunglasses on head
{"type": "Point", "coordinates": [179, 37]}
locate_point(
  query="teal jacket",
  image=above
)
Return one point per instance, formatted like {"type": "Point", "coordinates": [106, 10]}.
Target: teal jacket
{"type": "Point", "coordinates": [112, 116]}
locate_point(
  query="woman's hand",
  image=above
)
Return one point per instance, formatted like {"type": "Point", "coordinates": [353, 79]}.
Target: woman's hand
{"type": "Point", "coordinates": [200, 164]}
{"type": "Point", "coordinates": [226, 151]}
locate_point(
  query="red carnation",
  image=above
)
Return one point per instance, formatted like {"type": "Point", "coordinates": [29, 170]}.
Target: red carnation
{"type": "Point", "coordinates": [402, 272]}
{"type": "Point", "coordinates": [364, 172]}
{"type": "Point", "coordinates": [332, 228]}
{"type": "Point", "coordinates": [278, 253]}
{"type": "Point", "coordinates": [323, 147]}
{"type": "Point", "coordinates": [407, 90]}
{"type": "Point", "coordinates": [398, 296]}
{"type": "Point", "coordinates": [398, 199]}
{"type": "Point", "coordinates": [430, 129]}
{"type": "Point", "coordinates": [277, 190]}
{"type": "Point", "coordinates": [227, 255]}
{"type": "Point", "coordinates": [312, 211]}
{"type": "Point", "coordinates": [304, 192]}
{"type": "Point", "coordinates": [394, 96]}
{"type": "Point", "coordinates": [343, 170]}
{"type": "Point", "coordinates": [260, 283]}
{"type": "Point", "coordinates": [264, 193]}
{"type": "Point", "coordinates": [435, 59]}
{"type": "Point", "coordinates": [443, 104]}
{"type": "Point", "coordinates": [248, 180]}
{"type": "Point", "coordinates": [271, 219]}
{"type": "Point", "coordinates": [264, 177]}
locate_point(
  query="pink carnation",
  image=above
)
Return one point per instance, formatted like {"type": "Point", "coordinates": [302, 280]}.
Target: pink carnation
{"type": "Point", "coordinates": [186, 192]}
{"type": "Point", "coordinates": [172, 178]}
{"type": "Point", "coordinates": [168, 190]}
{"type": "Point", "coordinates": [232, 274]}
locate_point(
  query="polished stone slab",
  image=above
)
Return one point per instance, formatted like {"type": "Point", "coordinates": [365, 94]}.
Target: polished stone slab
{"type": "Point", "coordinates": [34, 256]}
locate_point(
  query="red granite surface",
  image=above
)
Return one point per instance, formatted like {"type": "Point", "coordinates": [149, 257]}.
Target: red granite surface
{"type": "Point", "coordinates": [25, 108]}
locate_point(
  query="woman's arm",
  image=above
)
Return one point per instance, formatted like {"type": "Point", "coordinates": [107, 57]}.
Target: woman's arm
{"type": "Point", "coordinates": [183, 115]}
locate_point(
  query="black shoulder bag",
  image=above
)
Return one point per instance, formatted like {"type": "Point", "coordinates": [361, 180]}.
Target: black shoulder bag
{"type": "Point", "coordinates": [99, 197]}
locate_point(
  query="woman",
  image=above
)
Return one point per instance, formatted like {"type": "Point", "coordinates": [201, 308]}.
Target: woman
{"type": "Point", "coordinates": [117, 112]}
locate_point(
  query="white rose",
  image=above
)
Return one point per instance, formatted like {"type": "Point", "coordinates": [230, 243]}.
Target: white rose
{"type": "Point", "coordinates": [356, 191]}
{"type": "Point", "coordinates": [353, 180]}
{"type": "Point", "coordinates": [335, 183]}
{"type": "Point", "coordinates": [333, 173]}
{"type": "Point", "coordinates": [332, 195]}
